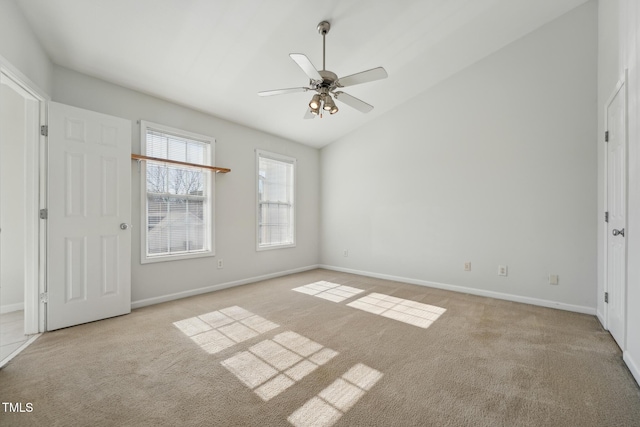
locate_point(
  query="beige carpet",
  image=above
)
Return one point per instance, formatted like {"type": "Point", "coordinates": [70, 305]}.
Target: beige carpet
{"type": "Point", "coordinates": [265, 355]}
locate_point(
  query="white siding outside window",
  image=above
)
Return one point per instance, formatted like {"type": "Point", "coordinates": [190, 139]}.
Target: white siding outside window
{"type": "Point", "coordinates": [177, 201]}
{"type": "Point", "coordinates": [275, 200]}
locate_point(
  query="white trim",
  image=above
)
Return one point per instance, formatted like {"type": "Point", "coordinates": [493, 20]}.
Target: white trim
{"type": "Point", "coordinates": [605, 284]}
{"type": "Point", "coordinates": [10, 308]}
{"type": "Point", "coordinates": [35, 167]}
{"type": "Point", "coordinates": [39, 316]}
{"type": "Point", "coordinates": [199, 291]}
{"type": "Point", "coordinates": [620, 85]}
{"type": "Point", "coordinates": [32, 221]}
{"type": "Point", "coordinates": [632, 365]}
{"type": "Point", "coordinates": [271, 247]}
{"type": "Point", "coordinates": [284, 159]}
{"type": "Point", "coordinates": [180, 133]}
{"type": "Point", "coordinates": [25, 82]}
{"type": "Point", "coordinates": [17, 351]}
{"type": "Point", "coordinates": [175, 257]}
{"type": "Point", "coordinates": [5, 79]}
{"type": "Point", "coordinates": [472, 291]}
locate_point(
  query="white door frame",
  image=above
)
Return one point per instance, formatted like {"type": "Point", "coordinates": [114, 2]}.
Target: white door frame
{"type": "Point", "coordinates": [621, 85]}
{"type": "Point", "coordinates": [36, 196]}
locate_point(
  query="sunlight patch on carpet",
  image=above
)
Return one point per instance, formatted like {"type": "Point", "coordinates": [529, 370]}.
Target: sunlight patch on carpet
{"type": "Point", "coordinates": [403, 310]}
{"type": "Point", "coordinates": [272, 366]}
{"type": "Point", "coordinates": [329, 291]}
{"type": "Point", "coordinates": [334, 401]}
{"type": "Point", "coordinates": [221, 329]}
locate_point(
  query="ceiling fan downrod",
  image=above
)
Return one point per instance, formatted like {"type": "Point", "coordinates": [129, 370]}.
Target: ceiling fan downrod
{"type": "Point", "coordinates": [323, 29]}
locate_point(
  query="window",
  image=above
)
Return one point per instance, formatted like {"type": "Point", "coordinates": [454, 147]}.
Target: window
{"type": "Point", "coordinates": [276, 208]}
{"type": "Point", "coordinates": [177, 205]}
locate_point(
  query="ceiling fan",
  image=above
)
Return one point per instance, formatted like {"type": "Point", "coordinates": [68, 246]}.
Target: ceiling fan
{"type": "Point", "coordinates": [326, 84]}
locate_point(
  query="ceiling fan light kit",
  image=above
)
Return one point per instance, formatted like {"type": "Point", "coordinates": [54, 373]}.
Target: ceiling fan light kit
{"type": "Point", "coordinates": [325, 83]}
{"type": "Point", "coordinates": [315, 102]}
{"type": "Point", "coordinates": [329, 105]}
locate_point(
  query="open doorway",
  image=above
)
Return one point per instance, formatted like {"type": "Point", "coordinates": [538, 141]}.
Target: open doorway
{"type": "Point", "coordinates": [21, 232]}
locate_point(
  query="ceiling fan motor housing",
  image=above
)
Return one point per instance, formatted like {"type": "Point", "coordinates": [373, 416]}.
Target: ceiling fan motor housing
{"type": "Point", "coordinates": [328, 78]}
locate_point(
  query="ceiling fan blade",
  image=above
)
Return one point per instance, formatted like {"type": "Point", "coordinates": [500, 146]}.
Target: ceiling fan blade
{"type": "Point", "coordinates": [282, 91]}
{"type": "Point", "coordinates": [353, 102]}
{"type": "Point", "coordinates": [309, 114]}
{"type": "Point", "coordinates": [363, 77]}
{"type": "Point", "coordinates": [306, 65]}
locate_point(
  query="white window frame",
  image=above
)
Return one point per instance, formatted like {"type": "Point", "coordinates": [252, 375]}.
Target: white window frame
{"type": "Point", "coordinates": [281, 158]}
{"type": "Point", "coordinates": [209, 251]}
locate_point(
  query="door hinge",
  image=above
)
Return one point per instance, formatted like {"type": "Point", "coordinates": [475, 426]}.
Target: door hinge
{"type": "Point", "coordinates": [44, 297]}
{"type": "Point", "coordinates": [44, 130]}
{"type": "Point", "coordinates": [606, 136]}
{"type": "Point", "coordinates": [606, 216]}
{"type": "Point", "coordinates": [44, 213]}
{"type": "Point", "coordinates": [606, 297]}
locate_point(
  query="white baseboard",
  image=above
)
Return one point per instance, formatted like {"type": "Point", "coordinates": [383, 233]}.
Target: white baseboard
{"type": "Point", "coordinates": [11, 307]}
{"type": "Point", "coordinates": [193, 292]}
{"type": "Point", "coordinates": [473, 291]}
{"type": "Point", "coordinates": [445, 286]}
{"type": "Point", "coordinates": [632, 365]}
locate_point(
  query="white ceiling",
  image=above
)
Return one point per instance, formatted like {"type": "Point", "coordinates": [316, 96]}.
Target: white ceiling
{"type": "Point", "coordinates": [215, 55]}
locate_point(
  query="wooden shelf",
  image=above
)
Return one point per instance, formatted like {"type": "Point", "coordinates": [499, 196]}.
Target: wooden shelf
{"type": "Point", "coordinates": [175, 162]}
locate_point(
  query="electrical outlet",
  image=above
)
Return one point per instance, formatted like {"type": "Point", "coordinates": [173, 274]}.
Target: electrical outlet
{"type": "Point", "coordinates": [345, 253]}
{"type": "Point", "coordinates": [467, 266]}
{"type": "Point", "coordinates": [220, 263]}
{"type": "Point", "coordinates": [502, 270]}
{"type": "Point", "coordinates": [553, 279]}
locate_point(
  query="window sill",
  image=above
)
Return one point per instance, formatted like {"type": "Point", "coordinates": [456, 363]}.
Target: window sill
{"type": "Point", "coordinates": [271, 247]}
{"type": "Point", "coordinates": [177, 257]}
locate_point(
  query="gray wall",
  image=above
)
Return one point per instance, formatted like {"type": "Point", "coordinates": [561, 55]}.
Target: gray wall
{"type": "Point", "coordinates": [235, 195]}
{"type": "Point", "coordinates": [496, 165]}
{"type": "Point", "coordinates": [20, 47]}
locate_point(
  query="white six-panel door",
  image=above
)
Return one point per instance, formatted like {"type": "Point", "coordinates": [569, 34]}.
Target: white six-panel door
{"type": "Point", "coordinates": [616, 206]}
{"type": "Point", "coordinates": [89, 212]}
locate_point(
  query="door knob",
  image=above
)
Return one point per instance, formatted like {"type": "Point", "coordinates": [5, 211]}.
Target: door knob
{"type": "Point", "coordinates": [616, 232]}
{"type": "Point", "coordinates": [124, 226]}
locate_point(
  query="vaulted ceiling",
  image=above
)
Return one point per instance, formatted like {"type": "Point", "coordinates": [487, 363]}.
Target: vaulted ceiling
{"type": "Point", "coordinates": [215, 55]}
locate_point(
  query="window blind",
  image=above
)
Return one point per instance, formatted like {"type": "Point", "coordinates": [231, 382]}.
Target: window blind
{"type": "Point", "coordinates": [275, 202]}
{"type": "Point", "coordinates": [178, 197]}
